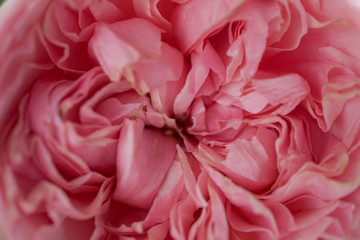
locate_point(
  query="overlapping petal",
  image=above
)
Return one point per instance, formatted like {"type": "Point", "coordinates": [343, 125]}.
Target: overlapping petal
{"type": "Point", "coordinates": [181, 119]}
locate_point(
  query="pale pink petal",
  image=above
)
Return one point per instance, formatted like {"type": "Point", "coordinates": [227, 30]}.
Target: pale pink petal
{"type": "Point", "coordinates": [58, 204]}
{"type": "Point", "coordinates": [181, 217]}
{"type": "Point", "coordinates": [254, 159]}
{"type": "Point", "coordinates": [17, 55]}
{"type": "Point", "coordinates": [77, 4]}
{"type": "Point", "coordinates": [342, 80]}
{"type": "Point", "coordinates": [256, 15]}
{"type": "Point", "coordinates": [324, 13]}
{"type": "Point", "coordinates": [288, 90]}
{"type": "Point", "coordinates": [347, 219]}
{"type": "Point", "coordinates": [246, 202]}
{"type": "Point", "coordinates": [322, 68]}
{"type": "Point", "coordinates": [138, 221]}
{"type": "Point", "coordinates": [85, 180]}
{"type": "Point", "coordinates": [65, 53]}
{"type": "Point", "coordinates": [229, 44]}
{"type": "Point", "coordinates": [288, 163]}
{"type": "Point", "coordinates": [253, 102]}
{"type": "Point", "coordinates": [155, 72]}
{"type": "Point", "coordinates": [155, 11]}
{"type": "Point", "coordinates": [218, 225]}
{"type": "Point", "coordinates": [202, 63]}
{"type": "Point", "coordinates": [348, 123]}
{"type": "Point", "coordinates": [190, 181]}
{"type": "Point", "coordinates": [191, 26]}
{"type": "Point", "coordinates": [69, 24]}
{"type": "Point", "coordinates": [141, 34]}
{"type": "Point", "coordinates": [163, 98]}
{"type": "Point", "coordinates": [350, 176]}
{"type": "Point", "coordinates": [308, 210]}
{"type": "Point", "coordinates": [214, 118]}
{"type": "Point", "coordinates": [66, 133]}
{"type": "Point", "coordinates": [136, 155]}
{"type": "Point", "coordinates": [294, 27]}
{"type": "Point", "coordinates": [112, 52]}
{"type": "Point", "coordinates": [284, 218]}
{"type": "Point", "coordinates": [98, 149]}
{"type": "Point", "coordinates": [158, 119]}
{"type": "Point", "coordinates": [349, 214]}
{"type": "Point", "coordinates": [106, 108]}
{"type": "Point", "coordinates": [91, 111]}
{"type": "Point", "coordinates": [314, 184]}
{"type": "Point", "coordinates": [250, 163]}
{"type": "Point", "coordinates": [198, 227]}
{"type": "Point", "coordinates": [40, 122]}
{"type": "Point", "coordinates": [158, 232]}
{"type": "Point", "coordinates": [238, 221]}
{"type": "Point", "coordinates": [165, 199]}
{"type": "Point", "coordinates": [155, 119]}
{"type": "Point", "coordinates": [313, 232]}
{"type": "Point", "coordinates": [106, 11]}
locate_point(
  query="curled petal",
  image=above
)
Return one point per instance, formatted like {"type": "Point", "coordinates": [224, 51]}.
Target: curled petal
{"type": "Point", "coordinates": [288, 90]}
{"type": "Point", "coordinates": [115, 55]}
{"type": "Point", "coordinates": [246, 201]}
{"type": "Point", "coordinates": [191, 26]}
{"type": "Point", "coordinates": [249, 163]}
{"type": "Point", "coordinates": [165, 199]}
{"type": "Point", "coordinates": [200, 78]}
{"type": "Point", "coordinates": [20, 58]}
{"type": "Point", "coordinates": [157, 71]}
{"type": "Point", "coordinates": [150, 165]}
{"type": "Point", "coordinates": [190, 181]}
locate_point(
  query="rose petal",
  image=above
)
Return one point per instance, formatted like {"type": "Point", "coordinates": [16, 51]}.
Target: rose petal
{"type": "Point", "coordinates": [135, 155]}
{"type": "Point", "coordinates": [113, 53]}
{"type": "Point", "coordinates": [190, 181]}
{"type": "Point", "coordinates": [288, 90]}
{"type": "Point", "coordinates": [190, 25]}
{"type": "Point", "coordinates": [202, 63]}
{"type": "Point", "coordinates": [246, 201]}
{"type": "Point", "coordinates": [165, 199]}
{"type": "Point", "coordinates": [156, 72]}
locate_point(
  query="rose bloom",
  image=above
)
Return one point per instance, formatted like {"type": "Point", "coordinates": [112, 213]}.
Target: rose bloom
{"type": "Point", "coordinates": [180, 119]}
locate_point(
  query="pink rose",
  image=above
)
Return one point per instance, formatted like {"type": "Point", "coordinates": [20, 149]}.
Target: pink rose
{"type": "Point", "coordinates": [179, 119]}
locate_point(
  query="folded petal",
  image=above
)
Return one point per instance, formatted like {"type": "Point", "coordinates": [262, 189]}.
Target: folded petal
{"type": "Point", "coordinates": [165, 199]}
{"type": "Point", "coordinates": [143, 159]}
{"type": "Point", "coordinates": [155, 72]}
{"type": "Point", "coordinates": [190, 181]}
{"type": "Point", "coordinates": [181, 217]}
{"type": "Point", "coordinates": [112, 52]}
{"type": "Point", "coordinates": [246, 204]}
{"type": "Point", "coordinates": [287, 91]}
{"type": "Point", "coordinates": [250, 163]}
{"type": "Point", "coordinates": [190, 26]}
{"type": "Point", "coordinates": [21, 59]}
{"type": "Point", "coordinates": [200, 78]}
{"type": "Point", "coordinates": [293, 27]}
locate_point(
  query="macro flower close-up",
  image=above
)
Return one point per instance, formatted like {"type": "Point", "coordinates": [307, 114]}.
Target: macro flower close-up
{"type": "Point", "coordinates": [180, 119]}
